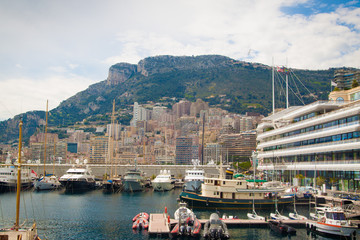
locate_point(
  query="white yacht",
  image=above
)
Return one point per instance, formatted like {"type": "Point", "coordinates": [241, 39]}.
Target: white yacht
{"type": "Point", "coordinates": [8, 179]}
{"type": "Point", "coordinates": [194, 177]}
{"type": "Point", "coordinates": [78, 178]}
{"type": "Point", "coordinates": [332, 221]}
{"type": "Point", "coordinates": [49, 182]}
{"type": "Point", "coordinates": [163, 181]}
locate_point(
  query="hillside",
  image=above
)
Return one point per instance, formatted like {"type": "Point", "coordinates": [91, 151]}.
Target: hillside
{"type": "Point", "coordinates": [221, 81]}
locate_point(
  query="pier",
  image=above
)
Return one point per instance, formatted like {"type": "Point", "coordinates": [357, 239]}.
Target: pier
{"type": "Point", "coordinates": [159, 223]}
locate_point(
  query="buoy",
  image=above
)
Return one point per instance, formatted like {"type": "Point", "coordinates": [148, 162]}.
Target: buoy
{"type": "Point", "coordinates": [166, 210]}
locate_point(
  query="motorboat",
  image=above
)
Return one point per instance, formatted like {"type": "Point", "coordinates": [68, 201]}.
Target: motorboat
{"type": "Point", "coordinates": [8, 179]}
{"type": "Point", "coordinates": [134, 180]}
{"type": "Point", "coordinates": [281, 228]}
{"type": "Point", "coordinates": [78, 178]}
{"type": "Point", "coordinates": [194, 177]}
{"type": "Point", "coordinates": [332, 221]}
{"type": "Point", "coordinates": [141, 221]}
{"type": "Point", "coordinates": [49, 182]}
{"type": "Point", "coordinates": [215, 228]}
{"type": "Point", "coordinates": [187, 223]}
{"type": "Point", "coordinates": [163, 181]}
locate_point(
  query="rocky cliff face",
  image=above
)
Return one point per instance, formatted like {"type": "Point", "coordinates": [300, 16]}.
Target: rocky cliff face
{"type": "Point", "coordinates": [120, 72]}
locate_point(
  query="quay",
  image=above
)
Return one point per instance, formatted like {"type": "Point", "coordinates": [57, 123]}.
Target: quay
{"type": "Point", "coordinates": [160, 224]}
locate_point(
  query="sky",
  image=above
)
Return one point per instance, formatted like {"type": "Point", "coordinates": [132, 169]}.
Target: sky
{"type": "Point", "coordinates": [51, 50]}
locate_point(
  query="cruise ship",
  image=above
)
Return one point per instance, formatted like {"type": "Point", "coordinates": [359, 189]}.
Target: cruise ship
{"type": "Point", "coordinates": [319, 139]}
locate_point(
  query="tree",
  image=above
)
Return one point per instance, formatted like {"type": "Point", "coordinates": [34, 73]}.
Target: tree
{"type": "Point", "coordinates": [354, 84]}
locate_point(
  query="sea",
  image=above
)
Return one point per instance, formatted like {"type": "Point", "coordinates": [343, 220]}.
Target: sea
{"type": "Point", "coordinates": [98, 215]}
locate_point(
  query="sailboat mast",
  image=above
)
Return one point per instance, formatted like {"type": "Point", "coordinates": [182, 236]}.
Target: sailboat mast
{"type": "Point", "coordinates": [46, 121]}
{"type": "Point", "coordinates": [273, 87]}
{"type": "Point", "coordinates": [109, 143]}
{"type": "Point", "coordinates": [18, 189]}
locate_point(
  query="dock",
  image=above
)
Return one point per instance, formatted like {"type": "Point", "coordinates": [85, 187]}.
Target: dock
{"type": "Point", "coordinates": [158, 223]}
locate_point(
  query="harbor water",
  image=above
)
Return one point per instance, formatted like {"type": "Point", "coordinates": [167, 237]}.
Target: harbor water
{"type": "Point", "coordinates": [96, 215]}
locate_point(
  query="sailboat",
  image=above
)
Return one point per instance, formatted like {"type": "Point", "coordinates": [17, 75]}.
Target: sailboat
{"type": "Point", "coordinates": [114, 183]}
{"type": "Point", "coordinates": [48, 181]}
{"type": "Point", "coordinates": [18, 231]}
{"type": "Point", "coordinates": [294, 215]}
{"type": "Point", "coordinates": [253, 214]}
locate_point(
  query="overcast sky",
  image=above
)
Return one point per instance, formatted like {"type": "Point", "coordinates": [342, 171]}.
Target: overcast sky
{"type": "Point", "coordinates": [54, 49]}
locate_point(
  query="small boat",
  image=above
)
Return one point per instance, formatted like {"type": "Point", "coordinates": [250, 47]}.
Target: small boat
{"type": "Point", "coordinates": [332, 221]}
{"type": "Point", "coordinates": [278, 216]}
{"type": "Point", "coordinates": [215, 228]}
{"type": "Point", "coordinates": [281, 228]}
{"type": "Point", "coordinates": [49, 182]}
{"type": "Point", "coordinates": [78, 178]}
{"type": "Point", "coordinates": [188, 224]}
{"type": "Point", "coordinates": [294, 215]}
{"type": "Point", "coordinates": [163, 181]}
{"type": "Point", "coordinates": [141, 221]}
{"type": "Point", "coordinates": [253, 214]}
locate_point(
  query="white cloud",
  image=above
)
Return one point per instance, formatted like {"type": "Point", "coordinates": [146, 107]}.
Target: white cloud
{"type": "Point", "coordinates": [25, 94]}
{"type": "Point", "coordinates": [84, 38]}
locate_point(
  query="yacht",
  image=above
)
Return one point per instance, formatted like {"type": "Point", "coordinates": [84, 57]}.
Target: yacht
{"type": "Point", "coordinates": [220, 192]}
{"type": "Point", "coordinates": [78, 178]}
{"type": "Point", "coordinates": [194, 178]}
{"type": "Point", "coordinates": [49, 182]}
{"type": "Point", "coordinates": [134, 180]}
{"type": "Point", "coordinates": [8, 179]}
{"type": "Point", "coordinates": [163, 181]}
{"type": "Point", "coordinates": [332, 221]}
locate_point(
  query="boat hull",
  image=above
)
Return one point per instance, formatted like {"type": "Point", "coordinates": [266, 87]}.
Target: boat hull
{"type": "Point", "coordinates": [162, 186]}
{"type": "Point", "coordinates": [193, 186]}
{"type": "Point", "coordinates": [333, 230]}
{"type": "Point", "coordinates": [78, 186]}
{"type": "Point", "coordinates": [11, 187]}
{"type": "Point", "coordinates": [197, 201]}
{"type": "Point", "coordinates": [133, 186]}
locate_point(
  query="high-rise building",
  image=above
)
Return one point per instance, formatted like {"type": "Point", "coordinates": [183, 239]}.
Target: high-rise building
{"type": "Point", "coordinates": [343, 78]}
{"type": "Point", "coordinates": [184, 150]}
{"type": "Point", "coordinates": [181, 108]}
{"type": "Point", "coordinates": [238, 145]}
{"type": "Point", "coordinates": [98, 150]}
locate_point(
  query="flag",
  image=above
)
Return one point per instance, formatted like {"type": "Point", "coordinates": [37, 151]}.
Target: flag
{"type": "Point", "coordinates": [333, 84]}
{"type": "Point", "coordinates": [34, 173]}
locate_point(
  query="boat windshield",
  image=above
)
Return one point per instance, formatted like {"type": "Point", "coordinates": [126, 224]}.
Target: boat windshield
{"type": "Point", "coordinates": [336, 215]}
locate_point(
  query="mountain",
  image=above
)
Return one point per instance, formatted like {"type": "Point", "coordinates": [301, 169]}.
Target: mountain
{"type": "Point", "coordinates": [236, 86]}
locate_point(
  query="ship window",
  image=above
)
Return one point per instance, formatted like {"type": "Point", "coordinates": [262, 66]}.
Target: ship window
{"type": "Point", "coordinates": [339, 216]}
{"type": "Point", "coordinates": [4, 237]}
{"type": "Point", "coordinates": [223, 182]}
